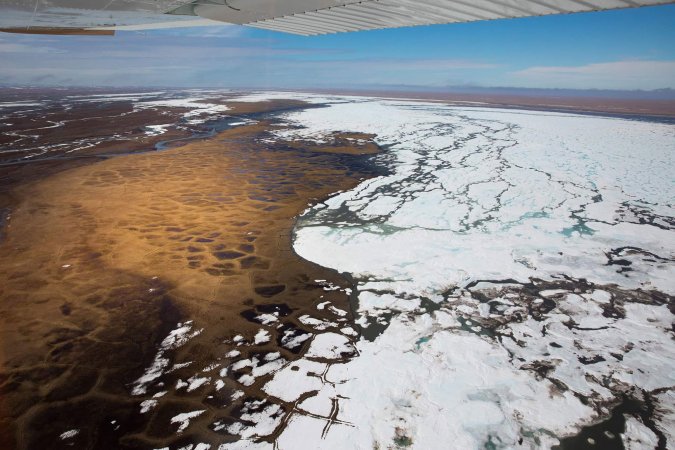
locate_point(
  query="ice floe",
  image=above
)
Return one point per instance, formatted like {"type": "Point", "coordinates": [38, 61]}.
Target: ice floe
{"type": "Point", "coordinates": [637, 436]}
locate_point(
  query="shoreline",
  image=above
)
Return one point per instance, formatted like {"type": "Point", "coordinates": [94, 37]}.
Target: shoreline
{"type": "Point", "coordinates": [258, 173]}
{"type": "Point", "coordinates": [514, 315]}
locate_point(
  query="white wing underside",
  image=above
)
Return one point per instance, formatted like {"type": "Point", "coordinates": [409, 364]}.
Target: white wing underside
{"type": "Point", "coordinates": [304, 17]}
{"type": "Point", "coordinates": [378, 14]}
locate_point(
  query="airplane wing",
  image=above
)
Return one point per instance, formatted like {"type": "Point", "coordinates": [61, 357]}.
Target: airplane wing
{"type": "Point", "coordinates": [303, 17]}
{"type": "Point", "coordinates": [378, 14]}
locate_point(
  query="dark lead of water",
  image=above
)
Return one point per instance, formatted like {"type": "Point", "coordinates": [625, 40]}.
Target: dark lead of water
{"type": "Point", "coordinates": [606, 435]}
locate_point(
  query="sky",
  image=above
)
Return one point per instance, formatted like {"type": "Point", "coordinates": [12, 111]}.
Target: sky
{"type": "Point", "coordinates": [627, 49]}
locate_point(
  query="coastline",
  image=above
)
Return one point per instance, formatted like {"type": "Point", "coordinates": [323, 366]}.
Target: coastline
{"type": "Point", "coordinates": [573, 282]}
{"type": "Point", "coordinates": [247, 345]}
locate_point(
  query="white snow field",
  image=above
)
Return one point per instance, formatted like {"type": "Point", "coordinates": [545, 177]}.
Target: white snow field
{"type": "Point", "coordinates": [514, 274]}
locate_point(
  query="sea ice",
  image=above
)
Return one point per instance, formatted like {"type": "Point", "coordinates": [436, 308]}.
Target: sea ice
{"type": "Point", "coordinates": [508, 265]}
{"type": "Point", "coordinates": [637, 436]}
{"type": "Point", "coordinates": [485, 194]}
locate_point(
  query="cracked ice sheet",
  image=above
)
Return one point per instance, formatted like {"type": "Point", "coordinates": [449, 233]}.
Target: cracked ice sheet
{"type": "Point", "coordinates": [483, 194]}
{"type": "Point", "coordinates": [650, 364]}
{"type": "Point", "coordinates": [465, 395]}
{"type": "Point", "coordinates": [449, 231]}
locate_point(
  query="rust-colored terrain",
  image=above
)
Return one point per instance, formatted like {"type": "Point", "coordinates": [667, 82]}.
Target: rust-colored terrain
{"type": "Point", "coordinates": [101, 258]}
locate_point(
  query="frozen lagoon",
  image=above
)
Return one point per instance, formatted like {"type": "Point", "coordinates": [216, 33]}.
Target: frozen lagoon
{"type": "Point", "coordinates": [515, 269]}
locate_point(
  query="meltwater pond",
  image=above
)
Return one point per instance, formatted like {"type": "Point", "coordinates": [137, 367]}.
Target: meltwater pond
{"type": "Point", "coordinates": [545, 241]}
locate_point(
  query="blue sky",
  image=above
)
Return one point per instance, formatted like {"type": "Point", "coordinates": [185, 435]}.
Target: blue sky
{"type": "Point", "coordinates": [621, 49]}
